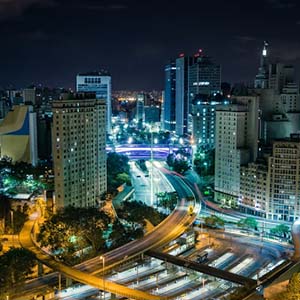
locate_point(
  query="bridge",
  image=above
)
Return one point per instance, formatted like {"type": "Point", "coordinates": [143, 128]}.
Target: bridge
{"type": "Point", "coordinates": [203, 268]}
{"type": "Point", "coordinates": [141, 151]}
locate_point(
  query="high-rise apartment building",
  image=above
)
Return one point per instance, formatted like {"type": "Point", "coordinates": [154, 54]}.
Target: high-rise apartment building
{"type": "Point", "coordinates": [235, 144]}
{"type": "Point", "coordinates": [284, 179]}
{"type": "Point", "coordinates": [78, 147]}
{"type": "Point", "coordinates": [100, 84]}
{"type": "Point", "coordinates": [272, 189]}
{"type": "Point", "coordinates": [254, 191]}
{"type": "Point", "coordinates": [170, 97]}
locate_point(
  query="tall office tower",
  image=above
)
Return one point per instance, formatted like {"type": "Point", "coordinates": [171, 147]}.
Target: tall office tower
{"type": "Point", "coordinates": [254, 191]}
{"type": "Point", "coordinates": [280, 112]}
{"type": "Point", "coordinates": [79, 155]}
{"type": "Point", "coordinates": [204, 81]}
{"type": "Point", "coordinates": [235, 144]}
{"type": "Point", "coordinates": [262, 78]}
{"type": "Point", "coordinates": [290, 98]}
{"type": "Point", "coordinates": [182, 94]}
{"type": "Point", "coordinates": [204, 118]}
{"type": "Point", "coordinates": [18, 135]}
{"type": "Point", "coordinates": [140, 112]}
{"type": "Point", "coordinates": [170, 97]}
{"type": "Point", "coordinates": [204, 77]}
{"type": "Point", "coordinates": [99, 83]}
{"type": "Point", "coordinates": [280, 75]}
{"type": "Point", "coordinates": [284, 178]}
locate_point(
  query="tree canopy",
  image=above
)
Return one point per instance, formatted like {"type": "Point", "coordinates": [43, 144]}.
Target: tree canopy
{"type": "Point", "coordinates": [74, 229]}
{"type": "Point", "coordinates": [117, 171]}
{"type": "Point", "coordinates": [15, 265]}
{"type": "Point", "coordinates": [248, 223]}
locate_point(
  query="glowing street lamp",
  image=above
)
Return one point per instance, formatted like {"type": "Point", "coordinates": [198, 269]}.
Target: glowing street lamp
{"type": "Point", "coordinates": [102, 258]}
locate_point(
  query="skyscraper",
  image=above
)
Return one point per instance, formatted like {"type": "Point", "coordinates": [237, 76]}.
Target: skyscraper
{"type": "Point", "coordinates": [182, 94]}
{"type": "Point", "coordinates": [170, 97]}
{"type": "Point", "coordinates": [100, 84]}
{"type": "Point", "coordinates": [262, 78]}
{"type": "Point", "coordinates": [204, 120]}
{"type": "Point", "coordinates": [78, 147]}
{"type": "Point", "coordinates": [236, 145]}
{"type": "Point", "coordinates": [284, 178]}
{"type": "Point", "coordinates": [204, 77]}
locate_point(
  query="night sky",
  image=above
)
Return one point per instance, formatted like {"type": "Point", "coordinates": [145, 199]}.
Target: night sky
{"type": "Point", "coordinates": [49, 41]}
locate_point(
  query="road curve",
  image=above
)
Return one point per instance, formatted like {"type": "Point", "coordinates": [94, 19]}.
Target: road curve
{"type": "Point", "coordinates": [172, 227]}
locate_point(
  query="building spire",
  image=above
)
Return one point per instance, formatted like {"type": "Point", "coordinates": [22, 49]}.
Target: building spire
{"type": "Point", "coordinates": [261, 79]}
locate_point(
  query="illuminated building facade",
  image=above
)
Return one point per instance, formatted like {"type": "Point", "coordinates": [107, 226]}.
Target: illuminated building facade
{"type": "Point", "coordinates": [284, 178]}
{"type": "Point", "coordinates": [254, 192]}
{"type": "Point", "coordinates": [79, 155]}
{"type": "Point", "coordinates": [170, 97]}
{"type": "Point", "coordinates": [235, 145]}
{"type": "Point", "coordinates": [100, 84]}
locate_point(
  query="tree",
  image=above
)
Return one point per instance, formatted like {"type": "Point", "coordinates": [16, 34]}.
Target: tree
{"type": "Point", "coordinates": [170, 159]}
{"type": "Point", "coordinates": [116, 164]}
{"type": "Point", "coordinates": [213, 221]}
{"type": "Point", "coordinates": [124, 178]}
{"type": "Point", "coordinates": [248, 223]}
{"type": "Point", "coordinates": [181, 166]}
{"type": "Point", "coordinates": [167, 200]}
{"type": "Point", "coordinates": [15, 265]}
{"type": "Point", "coordinates": [281, 230]}
{"type": "Point", "coordinates": [204, 162]}
{"type": "Point", "coordinates": [74, 229]}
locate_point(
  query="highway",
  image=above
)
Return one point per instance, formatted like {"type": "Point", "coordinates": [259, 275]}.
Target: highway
{"type": "Point", "coordinates": [27, 242]}
{"type": "Point", "coordinates": [178, 221]}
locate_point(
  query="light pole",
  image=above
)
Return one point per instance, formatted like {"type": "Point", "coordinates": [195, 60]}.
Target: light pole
{"type": "Point", "coordinates": [12, 226]}
{"type": "Point", "coordinates": [102, 258]}
{"type": "Point", "coordinates": [151, 173]}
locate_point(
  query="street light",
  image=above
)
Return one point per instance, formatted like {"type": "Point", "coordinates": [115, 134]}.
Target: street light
{"type": "Point", "coordinates": [102, 258]}
{"type": "Point", "coordinates": [12, 226]}
{"type": "Point", "coordinates": [151, 173]}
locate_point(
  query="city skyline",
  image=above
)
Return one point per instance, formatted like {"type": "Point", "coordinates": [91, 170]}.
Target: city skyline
{"type": "Point", "coordinates": [47, 42]}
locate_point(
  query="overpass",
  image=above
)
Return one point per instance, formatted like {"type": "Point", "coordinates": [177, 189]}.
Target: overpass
{"type": "Point", "coordinates": [172, 227]}
{"type": "Point", "coordinates": [202, 268]}
{"type": "Point", "coordinates": [142, 151]}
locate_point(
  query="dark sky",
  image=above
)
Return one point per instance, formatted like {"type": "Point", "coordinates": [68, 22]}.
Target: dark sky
{"type": "Point", "coordinates": [48, 41]}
